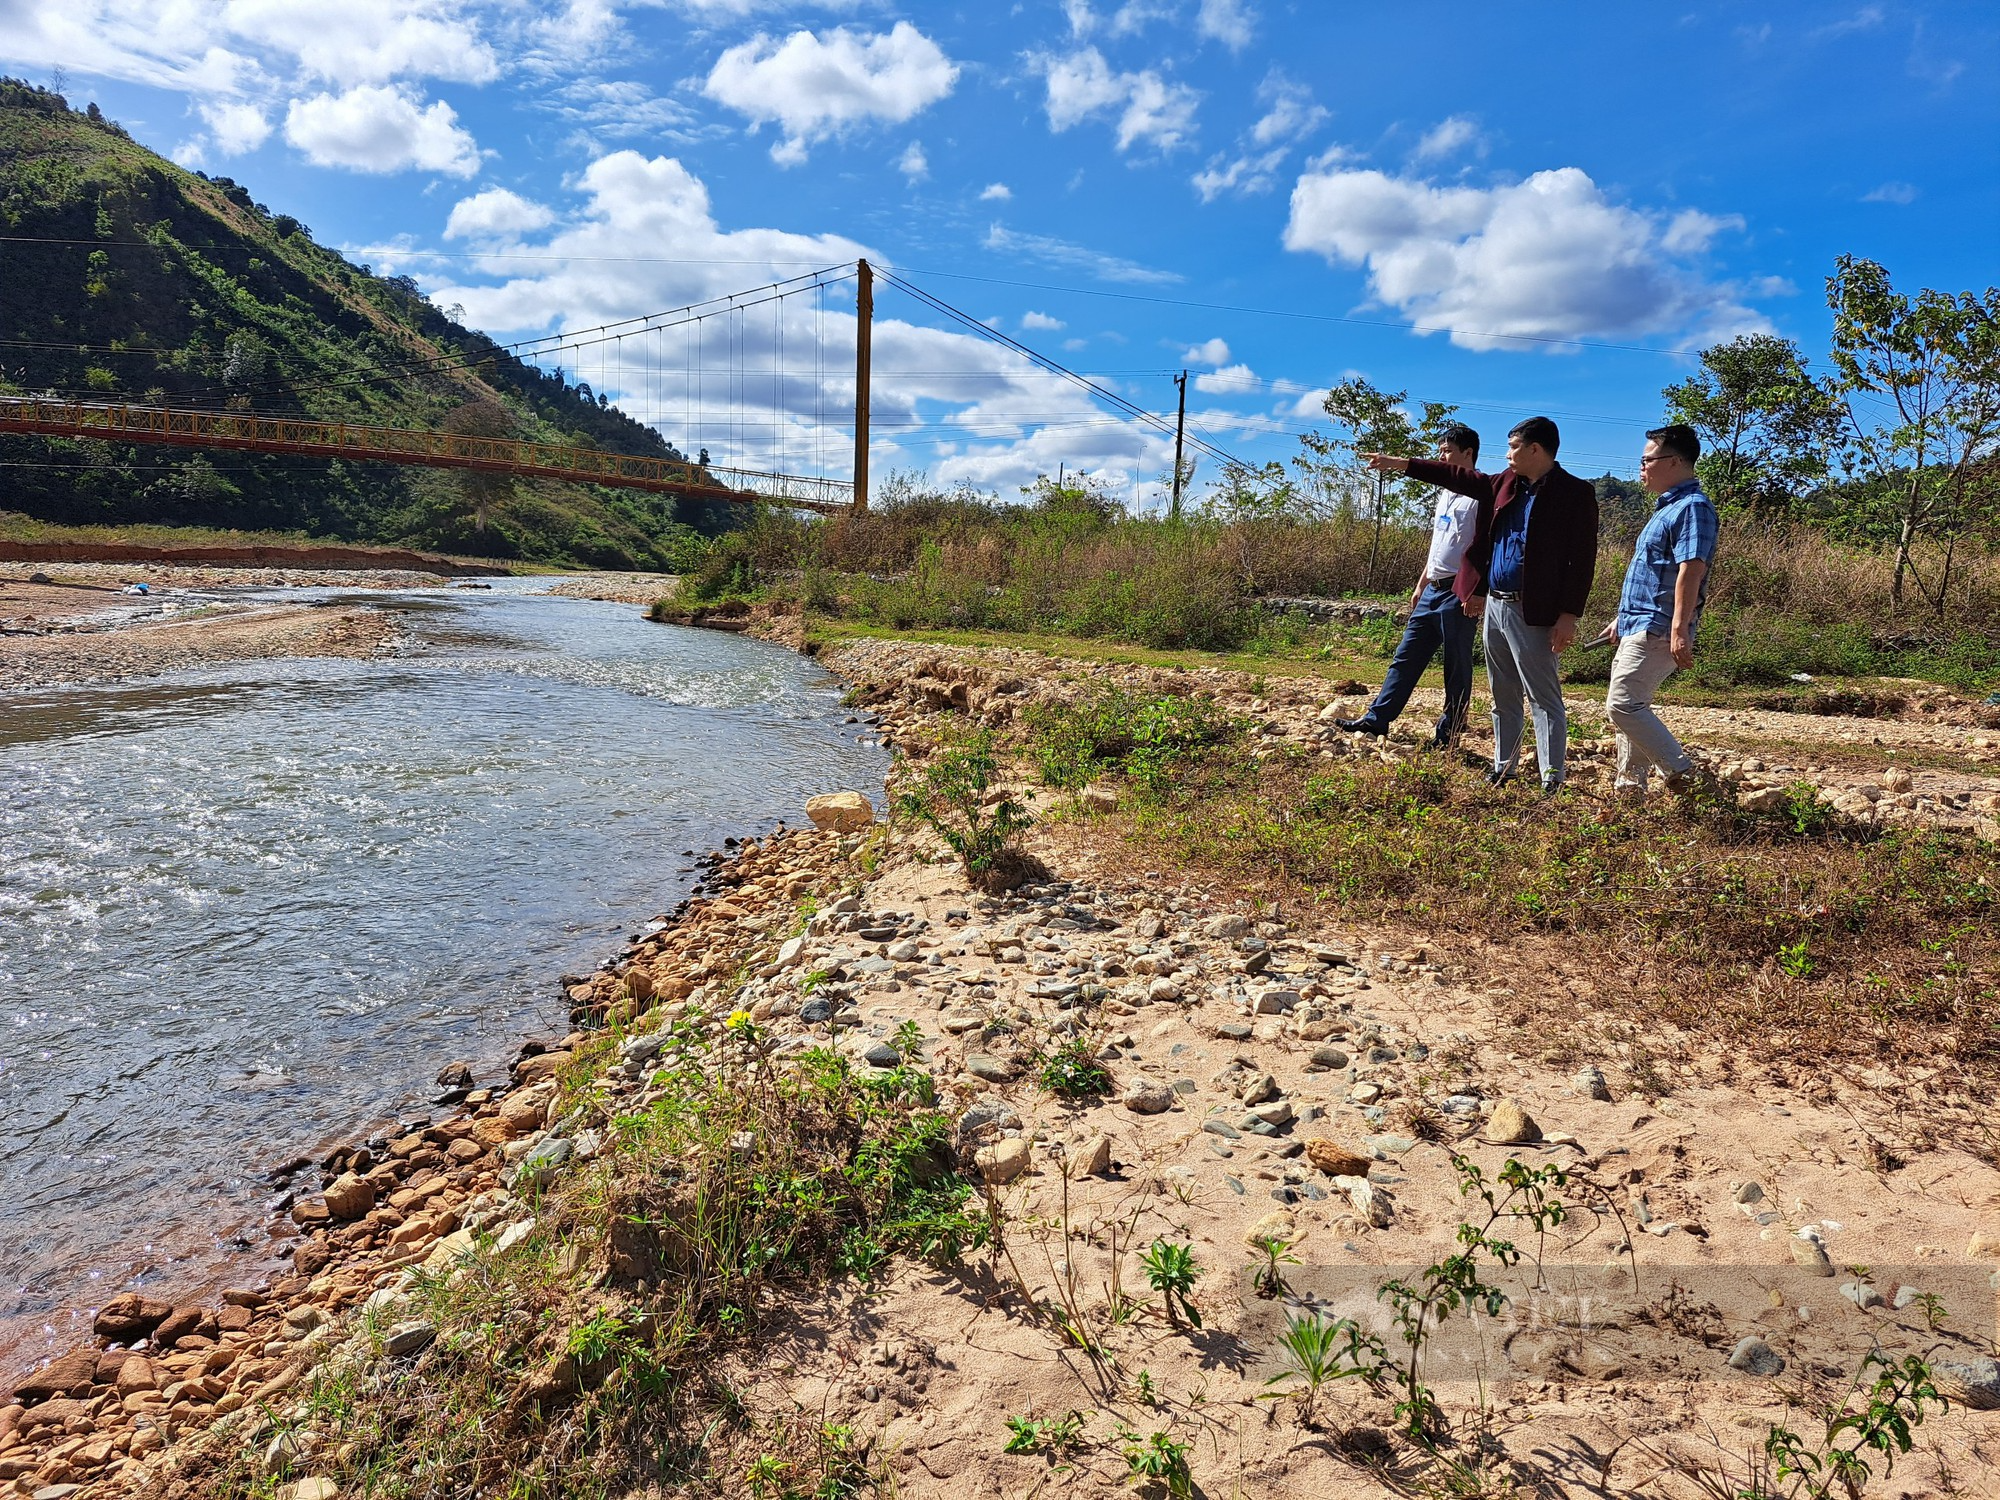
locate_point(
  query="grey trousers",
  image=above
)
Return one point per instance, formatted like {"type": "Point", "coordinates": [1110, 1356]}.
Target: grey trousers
{"type": "Point", "coordinates": [1518, 660]}
{"type": "Point", "coordinates": [1641, 664]}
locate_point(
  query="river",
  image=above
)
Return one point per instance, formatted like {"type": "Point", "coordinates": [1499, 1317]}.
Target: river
{"type": "Point", "coordinates": [247, 913]}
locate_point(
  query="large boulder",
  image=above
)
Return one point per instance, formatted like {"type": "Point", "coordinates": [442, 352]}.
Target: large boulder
{"type": "Point", "coordinates": [130, 1316]}
{"type": "Point", "coordinates": [60, 1376]}
{"type": "Point", "coordinates": [841, 812]}
{"type": "Point", "coordinates": [349, 1197]}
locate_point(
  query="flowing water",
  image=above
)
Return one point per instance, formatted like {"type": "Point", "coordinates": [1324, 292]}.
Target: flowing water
{"type": "Point", "coordinates": [247, 913]}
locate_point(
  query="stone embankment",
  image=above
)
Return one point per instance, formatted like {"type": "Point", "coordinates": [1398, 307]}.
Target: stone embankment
{"type": "Point", "coordinates": [1269, 1081]}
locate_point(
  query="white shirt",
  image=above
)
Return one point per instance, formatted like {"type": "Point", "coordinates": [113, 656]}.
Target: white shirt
{"type": "Point", "coordinates": [1451, 533]}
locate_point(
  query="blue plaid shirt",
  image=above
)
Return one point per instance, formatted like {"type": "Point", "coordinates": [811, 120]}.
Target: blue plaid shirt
{"type": "Point", "coordinates": [1681, 529]}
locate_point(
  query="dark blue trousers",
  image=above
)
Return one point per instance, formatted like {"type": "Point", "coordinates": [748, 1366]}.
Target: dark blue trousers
{"type": "Point", "coordinates": [1436, 624]}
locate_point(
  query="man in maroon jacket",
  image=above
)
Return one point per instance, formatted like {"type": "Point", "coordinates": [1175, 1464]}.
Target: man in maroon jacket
{"type": "Point", "coordinates": [1528, 572]}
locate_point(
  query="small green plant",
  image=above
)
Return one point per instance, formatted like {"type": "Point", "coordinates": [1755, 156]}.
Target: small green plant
{"type": "Point", "coordinates": [1796, 958]}
{"type": "Point", "coordinates": [1275, 1252]}
{"type": "Point", "coordinates": [1932, 1307]}
{"type": "Point", "coordinates": [908, 1040]}
{"type": "Point", "coordinates": [1157, 1459]}
{"type": "Point", "coordinates": [766, 1475]}
{"type": "Point", "coordinates": [949, 796]}
{"type": "Point", "coordinates": [1051, 1435]}
{"type": "Point", "coordinates": [1319, 1351]}
{"type": "Point", "coordinates": [1072, 1071]}
{"type": "Point", "coordinates": [1809, 813]}
{"type": "Point", "coordinates": [1170, 1271]}
{"type": "Point", "coordinates": [1146, 1388]}
{"type": "Point", "coordinates": [1879, 1422]}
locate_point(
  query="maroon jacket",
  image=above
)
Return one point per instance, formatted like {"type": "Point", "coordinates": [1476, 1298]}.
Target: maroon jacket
{"type": "Point", "coordinates": [1560, 560]}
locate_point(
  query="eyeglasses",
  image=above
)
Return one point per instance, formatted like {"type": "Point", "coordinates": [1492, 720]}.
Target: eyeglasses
{"type": "Point", "coordinates": [1653, 458]}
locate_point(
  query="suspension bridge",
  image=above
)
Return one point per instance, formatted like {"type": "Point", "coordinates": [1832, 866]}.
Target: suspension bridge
{"type": "Point", "coordinates": [653, 357]}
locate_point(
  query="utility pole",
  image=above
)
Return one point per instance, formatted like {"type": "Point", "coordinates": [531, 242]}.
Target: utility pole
{"type": "Point", "coordinates": [864, 329]}
{"type": "Point", "coordinates": [1180, 431]}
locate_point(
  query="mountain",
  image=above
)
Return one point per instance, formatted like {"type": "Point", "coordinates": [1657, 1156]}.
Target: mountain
{"type": "Point", "coordinates": [126, 276]}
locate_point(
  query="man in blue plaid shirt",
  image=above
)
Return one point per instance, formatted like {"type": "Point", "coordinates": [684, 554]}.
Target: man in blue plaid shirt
{"type": "Point", "coordinates": [1658, 610]}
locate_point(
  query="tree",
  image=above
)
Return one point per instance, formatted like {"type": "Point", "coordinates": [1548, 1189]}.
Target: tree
{"type": "Point", "coordinates": [1376, 422]}
{"type": "Point", "coordinates": [1768, 428]}
{"type": "Point", "coordinates": [1920, 380]}
{"type": "Point", "coordinates": [481, 418]}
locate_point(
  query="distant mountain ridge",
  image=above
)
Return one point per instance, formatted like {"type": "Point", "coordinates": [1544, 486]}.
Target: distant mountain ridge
{"type": "Point", "coordinates": [126, 275]}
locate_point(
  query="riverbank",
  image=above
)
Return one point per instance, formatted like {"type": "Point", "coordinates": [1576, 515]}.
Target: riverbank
{"type": "Point", "coordinates": [1763, 1219]}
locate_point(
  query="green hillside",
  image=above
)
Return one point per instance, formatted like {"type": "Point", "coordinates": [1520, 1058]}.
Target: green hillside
{"type": "Point", "coordinates": [125, 275]}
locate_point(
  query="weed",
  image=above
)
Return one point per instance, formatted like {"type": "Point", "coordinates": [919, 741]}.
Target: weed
{"type": "Point", "coordinates": [1170, 1271]}
{"type": "Point", "coordinates": [1269, 1280]}
{"type": "Point", "coordinates": [1320, 1351]}
{"type": "Point", "coordinates": [1051, 1435]}
{"type": "Point", "coordinates": [1796, 959]}
{"type": "Point", "coordinates": [1072, 1071]}
{"type": "Point", "coordinates": [1157, 1459]}
{"type": "Point", "coordinates": [949, 795]}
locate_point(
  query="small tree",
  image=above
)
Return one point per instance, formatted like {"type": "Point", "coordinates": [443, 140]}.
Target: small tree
{"type": "Point", "coordinates": [1769, 429]}
{"type": "Point", "coordinates": [1376, 422]}
{"type": "Point", "coordinates": [1927, 370]}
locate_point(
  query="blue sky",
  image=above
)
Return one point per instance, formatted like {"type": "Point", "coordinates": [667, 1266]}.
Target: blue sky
{"type": "Point", "coordinates": [1514, 208]}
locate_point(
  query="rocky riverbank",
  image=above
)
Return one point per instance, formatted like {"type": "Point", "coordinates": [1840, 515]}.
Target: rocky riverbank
{"type": "Point", "coordinates": [1268, 1079]}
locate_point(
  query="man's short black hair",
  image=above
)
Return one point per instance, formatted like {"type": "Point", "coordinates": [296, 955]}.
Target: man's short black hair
{"type": "Point", "coordinates": [1461, 437]}
{"type": "Point", "coordinates": [1538, 430]}
{"type": "Point", "coordinates": [1678, 439]}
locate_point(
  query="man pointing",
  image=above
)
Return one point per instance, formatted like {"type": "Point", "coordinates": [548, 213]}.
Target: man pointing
{"type": "Point", "coordinates": [1528, 573]}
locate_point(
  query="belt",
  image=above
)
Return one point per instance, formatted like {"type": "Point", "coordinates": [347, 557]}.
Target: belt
{"type": "Point", "coordinates": [1503, 596]}
{"type": "Point", "coordinates": [1442, 579]}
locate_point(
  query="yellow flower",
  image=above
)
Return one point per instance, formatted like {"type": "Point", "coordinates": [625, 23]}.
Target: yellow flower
{"type": "Point", "coordinates": [738, 1019]}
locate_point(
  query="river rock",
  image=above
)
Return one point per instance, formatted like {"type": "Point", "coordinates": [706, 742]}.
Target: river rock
{"type": "Point", "coordinates": [1147, 1096]}
{"type": "Point", "coordinates": [1589, 1082]}
{"type": "Point", "coordinates": [349, 1197]}
{"type": "Point", "coordinates": [1002, 1161]}
{"type": "Point", "coordinates": [1276, 1225]}
{"type": "Point", "coordinates": [1810, 1256]}
{"type": "Point", "coordinates": [1975, 1382]}
{"type": "Point", "coordinates": [1511, 1125]}
{"type": "Point", "coordinates": [312, 1487]}
{"type": "Point", "coordinates": [1091, 1159]}
{"type": "Point", "coordinates": [541, 1065]}
{"type": "Point", "coordinates": [135, 1373]}
{"type": "Point", "coordinates": [1335, 1159]}
{"type": "Point", "coordinates": [456, 1075]}
{"type": "Point", "coordinates": [130, 1316]}
{"type": "Point", "coordinates": [59, 1377]}
{"type": "Point", "coordinates": [1757, 1357]}
{"type": "Point", "coordinates": [841, 812]}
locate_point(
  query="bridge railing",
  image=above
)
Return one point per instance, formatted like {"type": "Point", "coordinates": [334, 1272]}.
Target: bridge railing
{"type": "Point", "coordinates": [189, 427]}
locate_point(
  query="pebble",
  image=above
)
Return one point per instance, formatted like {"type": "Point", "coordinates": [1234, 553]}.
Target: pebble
{"type": "Point", "coordinates": [1511, 1125]}
{"type": "Point", "coordinates": [1810, 1256]}
{"type": "Point", "coordinates": [1589, 1083]}
{"type": "Point", "coordinates": [1092, 1158]}
{"type": "Point", "coordinates": [985, 1065]}
{"type": "Point", "coordinates": [1002, 1161]}
{"type": "Point", "coordinates": [1752, 1354]}
{"type": "Point", "coordinates": [1147, 1096]}
{"type": "Point", "coordinates": [1222, 1128]}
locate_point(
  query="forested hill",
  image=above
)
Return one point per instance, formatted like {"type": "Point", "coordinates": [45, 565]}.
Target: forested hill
{"type": "Point", "coordinates": [122, 274]}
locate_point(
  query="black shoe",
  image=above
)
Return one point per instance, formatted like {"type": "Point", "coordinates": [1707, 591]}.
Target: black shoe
{"type": "Point", "coordinates": [1554, 788]}
{"type": "Point", "coordinates": [1499, 778]}
{"type": "Point", "coordinates": [1359, 726]}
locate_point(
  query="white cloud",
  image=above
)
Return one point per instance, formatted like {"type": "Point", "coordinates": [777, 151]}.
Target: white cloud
{"type": "Point", "coordinates": [1236, 379]}
{"type": "Point", "coordinates": [1150, 110]}
{"type": "Point", "coordinates": [1040, 322]}
{"type": "Point", "coordinates": [818, 86]}
{"type": "Point", "coordinates": [380, 129]}
{"type": "Point", "coordinates": [235, 128]}
{"type": "Point", "coordinates": [1226, 21]}
{"type": "Point", "coordinates": [367, 41]}
{"type": "Point", "coordinates": [1450, 136]}
{"type": "Point", "coordinates": [496, 213]}
{"type": "Point", "coordinates": [1289, 115]}
{"type": "Point", "coordinates": [995, 192]}
{"type": "Point", "coordinates": [913, 164]}
{"type": "Point", "coordinates": [1547, 258]}
{"type": "Point", "coordinates": [1865, 19]}
{"type": "Point", "coordinates": [1691, 231]}
{"type": "Point", "coordinates": [1891, 192]}
{"type": "Point", "coordinates": [1212, 352]}
{"type": "Point", "coordinates": [1057, 252]}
